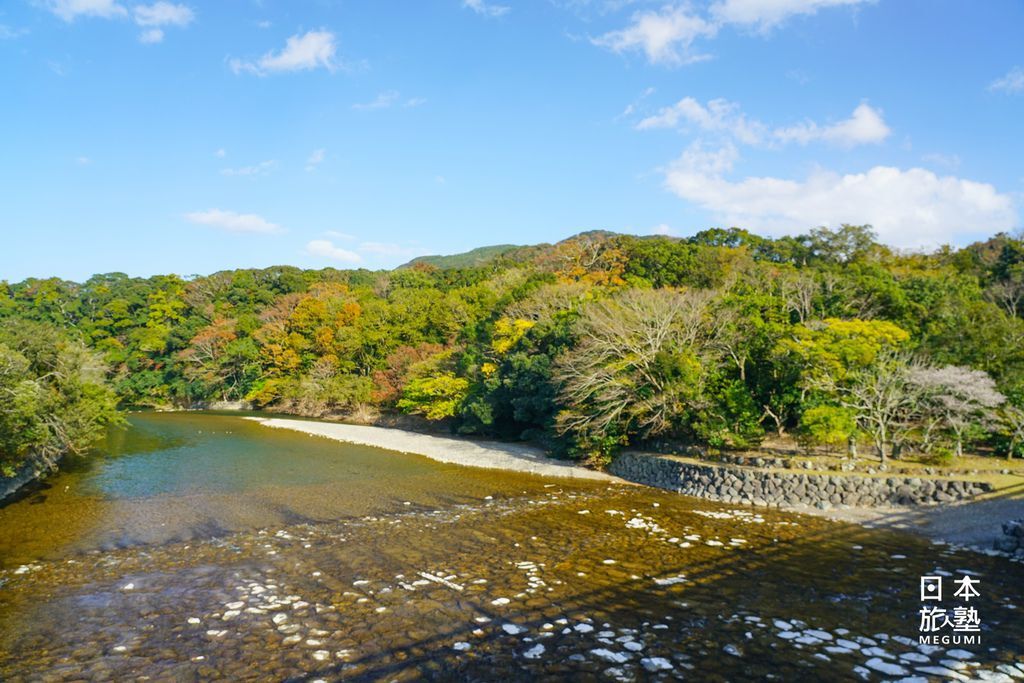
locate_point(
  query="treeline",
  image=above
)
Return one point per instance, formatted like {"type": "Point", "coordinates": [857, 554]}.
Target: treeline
{"type": "Point", "coordinates": [54, 396]}
{"type": "Point", "coordinates": [595, 343]}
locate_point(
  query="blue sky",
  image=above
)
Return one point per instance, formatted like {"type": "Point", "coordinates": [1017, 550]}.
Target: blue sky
{"type": "Point", "coordinates": [196, 136]}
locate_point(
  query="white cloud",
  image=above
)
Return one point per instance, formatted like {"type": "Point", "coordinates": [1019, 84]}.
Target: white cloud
{"type": "Point", "coordinates": [718, 116]}
{"type": "Point", "coordinates": [326, 249]}
{"type": "Point", "coordinates": [661, 229]}
{"type": "Point", "coordinates": [388, 99]}
{"type": "Point", "coordinates": [233, 222]}
{"type": "Point", "coordinates": [315, 159]}
{"type": "Point", "coordinates": [1012, 82]}
{"type": "Point", "coordinates": [908, 208]}
{"type": "Point", "coordinates": [8, 33]}
{"type": "Point", "coordinates": [163, 14]}
{"type": "Point", "coordinates": [865, 125]}
{"type": "Point", "coordinates": [262, 168]}
{"type": "Point", "coordinates": [83, 161]}
{"type": "Point", "coordinates": [632, 106]}
{"type": "Point", "coordinates": [151, 36]}
{"type": "Point", "coordinates": [220, 153]}
{"type": "Point", "coordinates": [950, 161]}
{"type": "Point", "coordinates": [69, 10]}
{"type": "Point", "coordinates": [389, 249]}
{"type": "Point", "coordinates": [766, 14]}
{"type": "Point", "coordinates": [382, 101]}
{"type": "Point", "coordinates": [486, 8]}
{"type": "Point", "coordinates": [340, 235]}
{"type": "Point", "coordinates": [312, 50]}
{"type": "Point", "coordinates": [665, 36]}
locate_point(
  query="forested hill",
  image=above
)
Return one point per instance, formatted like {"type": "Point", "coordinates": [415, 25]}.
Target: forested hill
{"type": "Point", "coordinates": [593, 343]}
{"type": "Point", "coordinates": [480, 256]}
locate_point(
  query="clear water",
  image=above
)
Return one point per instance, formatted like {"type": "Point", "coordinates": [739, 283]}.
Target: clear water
{"type": "Point", "coordinates": [204, 547]}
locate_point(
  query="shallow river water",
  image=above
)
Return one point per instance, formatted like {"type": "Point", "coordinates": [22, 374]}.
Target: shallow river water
{"type": "Point", "coordinates": [203, 546]}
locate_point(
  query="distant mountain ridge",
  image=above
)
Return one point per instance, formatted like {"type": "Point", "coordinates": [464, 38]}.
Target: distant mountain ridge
{"type": "Point", "coordinates": [467, 259]}
{"type": "Point", "coordinates": [484, 255]}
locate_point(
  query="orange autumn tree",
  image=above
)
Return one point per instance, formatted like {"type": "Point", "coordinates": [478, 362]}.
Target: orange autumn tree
{"type": "Point", "coordinates": [590, 259]}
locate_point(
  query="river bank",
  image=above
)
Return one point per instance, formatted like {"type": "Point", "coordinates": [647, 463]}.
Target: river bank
{"type": "Point", "coordinates": [971, 523]}
{"type": "Point", "coordinates": [487, 454]}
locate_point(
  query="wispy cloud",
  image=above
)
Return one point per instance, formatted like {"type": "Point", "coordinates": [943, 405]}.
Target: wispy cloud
{"type": "Point", "coordinates": [764, 15]}
{"type": "Point", "coordinates": [390, 249]}
{"type": "Point", "coordinates": [864, 126]}
{"type": "Point", "coordinates": [717, 115]}
{"type": "Point", "coordinates": [158, 15]}
{"type": "Point", "coordinates": [163, 14]}
{"type": "Point", "coordinates": [83, 161]}
{"type": "Point", "coordinates": [388, 99]}
{"type": "Point", "coordinates": [153, 18]}
{"type": "Point", "coordinates": [69, 10]}
{"type": "Point", "coordinates": [1012, 82]}
{"type": "Point", "coordinates": [262, 168]}
{"type": "Point", "coordinates": [381, 101]}
{"type": "Point", "coordinates": [233, 222]}
{"type": "Point", "coordinates": [340, 235]}
{"type": "Point", "coordinates": [667, 36]}
{"type": "Point", "coordinates": [220, 153]}
{"type": "Point", "coordinates": [632, 106]}
{"type": "Point", "coordinates": [486, 9]}
{"type": "Point", "coordinates": [316, 158]}
{"type": "Point", "coordinates": [327, 250]}
{"type": "Point", "coordinates": [311, 50]}
{"type": "Point", "coordinates": [950, 161]}
{"type": "Point", "coordinates": [8, 33]}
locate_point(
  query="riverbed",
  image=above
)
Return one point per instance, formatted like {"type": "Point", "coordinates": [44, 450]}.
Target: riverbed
{"type": "Point", "coordinates": [200, 546]}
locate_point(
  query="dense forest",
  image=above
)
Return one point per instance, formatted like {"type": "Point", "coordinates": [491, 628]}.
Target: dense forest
{"type": "Point", "coordinates": [590, 345]}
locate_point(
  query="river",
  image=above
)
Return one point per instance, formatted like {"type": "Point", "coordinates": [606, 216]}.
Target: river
{"type": "Point", "coordinates": [198, 546]}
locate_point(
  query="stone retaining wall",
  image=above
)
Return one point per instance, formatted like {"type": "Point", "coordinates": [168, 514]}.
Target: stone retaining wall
{"type": "Point", "coordinates": [766, 487]}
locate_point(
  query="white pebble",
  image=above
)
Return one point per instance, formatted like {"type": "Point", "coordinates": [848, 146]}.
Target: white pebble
{"type": "Point", "coordinates": [611, 655]}
{"type": "Point", "coordinates": [885, 667]}
{"type": "Point", "coordinates": [534, 652]}
{"type": "Point", "coordinates": [656, 664]}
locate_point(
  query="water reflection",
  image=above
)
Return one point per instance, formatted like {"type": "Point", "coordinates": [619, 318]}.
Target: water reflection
{"type": "Point", "coordinates": [183, 476]}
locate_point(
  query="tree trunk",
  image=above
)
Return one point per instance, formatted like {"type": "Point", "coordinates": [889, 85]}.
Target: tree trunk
{"type": "Point", "coordinates": [851, 447]}
{"type": "Point", "coordinates": [881, 451]}
{"type": "Point", "coordinates": [959, 447]}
